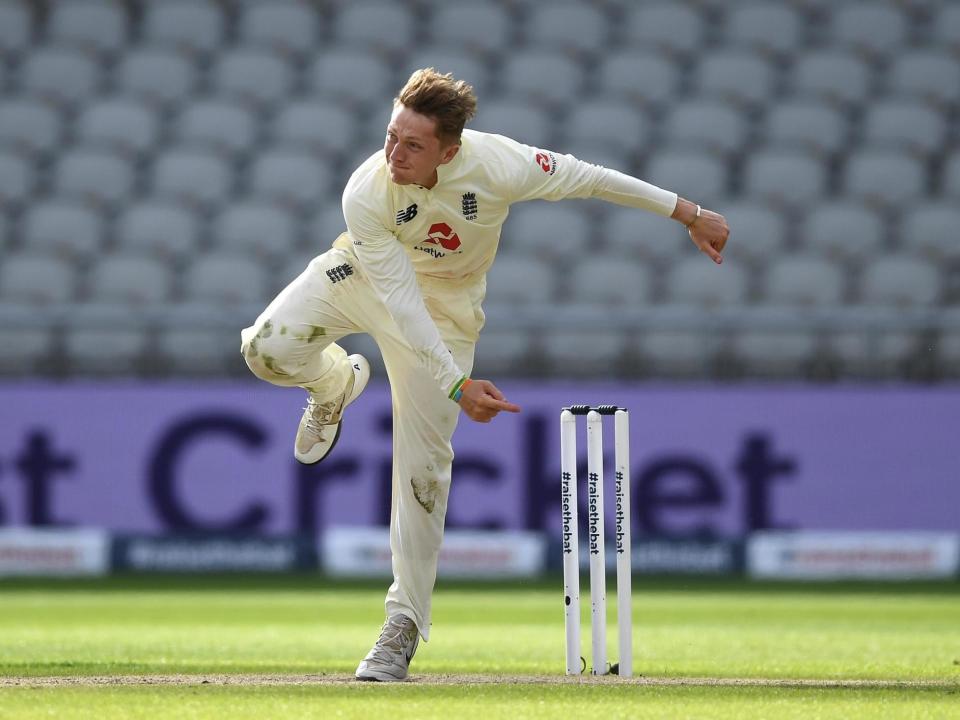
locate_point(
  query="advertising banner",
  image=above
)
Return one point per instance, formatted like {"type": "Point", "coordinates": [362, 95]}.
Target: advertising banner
{"type": "Point", "coordinates": [861, 555]}
{"type": "Point", "coordinates": [490, 555]}
{"type": "Point", "coordinates": [53, 552]}
{"type": "Point", "coordinates": [213, 554]}
{"type": "Point", "coordinates": [706, 462]}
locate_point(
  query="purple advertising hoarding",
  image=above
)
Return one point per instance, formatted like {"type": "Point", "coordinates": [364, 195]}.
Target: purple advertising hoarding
{"type": "Point", "coordinates": [704, 460]}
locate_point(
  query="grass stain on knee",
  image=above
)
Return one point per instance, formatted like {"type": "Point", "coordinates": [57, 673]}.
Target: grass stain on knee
{"type": "Point", "coordinates": [316, 332]}
{"type": "Point", "coordinates": [283, 329]}
{"type": "Point", "coordinates": [270, 363]}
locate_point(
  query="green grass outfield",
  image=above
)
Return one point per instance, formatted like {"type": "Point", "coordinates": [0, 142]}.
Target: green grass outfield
{"type": "Point", "coordinates": [285, 647]}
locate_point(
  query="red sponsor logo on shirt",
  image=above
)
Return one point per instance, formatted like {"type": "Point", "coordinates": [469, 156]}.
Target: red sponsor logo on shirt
{"type": "Point", "coordinates": [443, 235]}
{"type": "Point", "coordinates": [547, 162]}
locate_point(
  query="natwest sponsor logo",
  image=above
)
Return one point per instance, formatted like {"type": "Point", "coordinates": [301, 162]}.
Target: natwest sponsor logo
{"type": "Point", "coordinates": [443, 235]}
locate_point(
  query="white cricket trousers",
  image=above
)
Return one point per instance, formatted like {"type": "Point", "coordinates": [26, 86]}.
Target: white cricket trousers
{"type": "Point", "coordinates": [293, 343]}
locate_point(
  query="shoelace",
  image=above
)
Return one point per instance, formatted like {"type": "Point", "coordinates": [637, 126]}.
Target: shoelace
{"type": "Point", "coordinates": [320, 414]}
{"type": "Point", "coordinates": [391, 642]}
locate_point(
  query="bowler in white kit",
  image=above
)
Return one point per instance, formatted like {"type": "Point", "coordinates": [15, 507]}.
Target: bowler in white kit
{"type": "Point", "coordinates": [423, 220]}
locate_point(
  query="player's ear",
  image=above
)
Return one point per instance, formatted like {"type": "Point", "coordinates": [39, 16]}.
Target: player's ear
{"type": "Point", "coordinates": [449, 153]}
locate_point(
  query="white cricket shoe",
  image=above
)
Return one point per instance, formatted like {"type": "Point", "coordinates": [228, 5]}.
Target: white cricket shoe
{"type": "Point", "coordinates": [390, 657]}
{"type": "Point", "coordinates": [320, 425]}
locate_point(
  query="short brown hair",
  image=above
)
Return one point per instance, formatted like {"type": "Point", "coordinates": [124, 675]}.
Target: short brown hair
{"type": "Point", "coordinates": [450, 102]}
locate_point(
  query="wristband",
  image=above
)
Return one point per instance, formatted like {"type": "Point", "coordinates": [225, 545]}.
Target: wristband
{"type": "Point", "coordinates": [695, 217]}
{"type": "Point", "coordinates": [457, 390]}
{"type": "Point", "coordinates": [458, 393]}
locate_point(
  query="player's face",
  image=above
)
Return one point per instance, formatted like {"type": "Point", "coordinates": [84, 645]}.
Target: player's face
{"type": "Point", "coordinates": [413, 149]}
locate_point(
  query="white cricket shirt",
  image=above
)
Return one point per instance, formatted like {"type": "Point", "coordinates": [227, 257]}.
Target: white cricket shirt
{"type": "Point", "coordinates": [452, 230]}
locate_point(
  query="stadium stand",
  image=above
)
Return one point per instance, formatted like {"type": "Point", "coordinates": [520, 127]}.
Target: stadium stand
{"type": "Point", "coordinates": [166, 167]}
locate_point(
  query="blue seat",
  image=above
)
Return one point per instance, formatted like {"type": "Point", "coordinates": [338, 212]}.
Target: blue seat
{"type": "Point", "coordinates": [102, 177]}
{"type": "Point", "coordinates": [195, 27]}
{"type": "Point", "coordinates": [259, 78]}
{"type": "Point", "coordinates": [160, 228]}
{"type": "Point", "coordinates": [62, 75]}
{"type": "Point", "coordinates": [95, 26]}
{"type": "Point", "coordinates": [29, 125]}
{"type": "Point", "coordinates": [158, 75]}
{"type": "Point", "coordinates": [284, 26]}
{"type": "Point", "coordinates": [121, 124]}
{"type": "Point", "coordinates": [63, 228]}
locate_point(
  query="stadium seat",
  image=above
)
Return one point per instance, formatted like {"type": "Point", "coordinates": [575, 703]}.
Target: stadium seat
{"type": "Point", "coordinates": [63, 228]}
{"type": "Point", "coordinates": [770, 27]}
{"type": "Point", "coordinates": [103, 339]}
{"type": "Point", "coordinates": [874, 29]}
{"type": "Point", "coordinates": [549, 231]}
{"type": "Point", "coordinates": [225, 279]}
{"type": "Point", "coordinates": [838, 76]}
{"type": "Point", "coordinates": [771, 346]}
{"type": "Point", "coordinates": [677, 346]}
{"type": "Point", "coordinates": [664, 26]}
{"type": "Point", "coordinates": [29, 125]}
{"type": "Point", "coordinates": [565, 350]}
{"type": "Point", "coordinates": [159, 228]}
{"type": "Point", "coordinates": [15, 27]}
{"type": "Point", "coordinates": [284, 26]}
{"type": "Point", "coordinates": [803, 280]}
{"type": "Point", "coordinates": [130, 281]}
{"type": "Point", "coordinates": [709, 124]}
{"type": "Point", "coordinates": [27, 344]}
{"type": "Point", "coordinates": [696, 280]}
{"type": "Point", "coordinates": [520, 281]}
{"type": "Point", "coordinates": [614, 124]}
{"type": "Point", "coordinates": [611, 283]}
{"type": "Point", "coordinates": [930, 75]}
{"type": "Point", "coordinates": [220, 125]}
{"type": "Point", "coordinates": [37, 279]}
{"type": "Point", "coordinates": [786, 178]}
{"type": "Point", "coordinates": [633, 233]}
{"type": "Point", "coordinates": [524, 123]}
{"type": "Point", "coordinates": [544, 76]}
{"type": "Point", "coordinates": [156, 75]}
{"type": "Point", "coordinates": [902, 124]}
{"type": "Point", "coordinates": [843, 230]}
{"type": "Point", "coordinates": [931, 231]}
{"type": "Point", "coordinates": [375, 24]}
{"type": "Point", "coordinates": [101, 177]}
{"type": "Point", "coordinates": [95, 26]}
{"type": "Point", "coordinates": [689, 173]}
{"type": "Point", "coordinates": [350, 75]}
{"type": "Point", "coordinates": [946, 27]}
{"type": "Point", "coordinates": [119, 123]}
{"type": "Point", "coordinates": [570, 25]}
{"type": "Point", "coordinates": [598, 151]}
{"type": "Point", "coordinates": [901, 281]}
{"type": "Point", "coordinates": [325, 227]}
{"type": "Point", "coordinates": [452, 60]}
{"type": "Point", "coordinates": [884, 177]}
{"type": "Point", "coordinates": [17, 178]}
{"type": "Point", "coordinates": [637, 76]}
{"type": "Point", "coordinates": [760, 232]}
{"type": "Point", "coordinates": [502, 350]}
{"type": "Point", "coordinates": [259, 78]}
{"type": "Point", "coordinates": [4, 235]}
{"type": "Point", "coordinates": [806, 124]}
{"type": "Point", "coordinates": [482, 26]}
{"type": "Point", "coordinates": [951, 176]}
{"type": "Point", "coordinates": [740, 77]}
{"type": "Point", "coordinates": [948, 347]}
{"type": "Point", "coordinates": [195, 27]}
{"type": "Point", "coordinates": [288, 177]}
{"type": "Point", "coordinates": [64, 76]}
{"type": "Point", "coordinates": [318, 127]}
{"type": "Point", "coordinates": [210, 347]}
{"type": "Point", "coordinates": [200, 179]}
{"type": "Point", "coordinates": [257, 229]}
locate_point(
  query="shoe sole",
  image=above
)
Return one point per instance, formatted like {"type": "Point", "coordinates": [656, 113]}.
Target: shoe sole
{"type": "Point", "coordinates": [365, 375]}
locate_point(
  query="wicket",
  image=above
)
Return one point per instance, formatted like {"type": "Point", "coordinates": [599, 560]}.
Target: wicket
{"type": "Point", "coordinates": [595, 528]}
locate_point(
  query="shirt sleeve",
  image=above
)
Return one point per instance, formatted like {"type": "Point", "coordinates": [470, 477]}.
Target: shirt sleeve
{"type": "Point", "coordinates": [536, 174]}
{"type": "Point", "coordinates": [393, 279]}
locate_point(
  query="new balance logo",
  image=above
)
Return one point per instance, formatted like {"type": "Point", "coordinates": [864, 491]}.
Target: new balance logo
{"type": "Point", "coordinates": [404, 216]}
{"type": "Point", "coordinates": [340, 272]}
{"type": "Point", "coordinates": [470, 205]}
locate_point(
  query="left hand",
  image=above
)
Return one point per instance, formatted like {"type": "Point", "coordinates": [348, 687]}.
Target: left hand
{"type": "Point", "coordinates": [709, 232]}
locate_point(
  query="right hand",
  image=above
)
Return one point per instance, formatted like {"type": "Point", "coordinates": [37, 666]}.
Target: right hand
{"type": "Point", "coordinates": [482, 401]}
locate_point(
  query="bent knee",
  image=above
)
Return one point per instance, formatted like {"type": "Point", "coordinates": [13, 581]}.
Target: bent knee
{"type": "Point", "coordinates": [264, 352]}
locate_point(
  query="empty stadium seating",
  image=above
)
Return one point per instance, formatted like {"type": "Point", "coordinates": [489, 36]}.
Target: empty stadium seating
{"type": "Point", "coordinates": [166, 167]}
